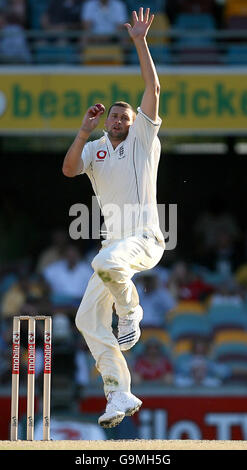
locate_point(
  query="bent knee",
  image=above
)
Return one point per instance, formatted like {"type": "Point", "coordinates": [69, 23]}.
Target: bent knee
{"type": "Point", "coordinates": [102, 266]}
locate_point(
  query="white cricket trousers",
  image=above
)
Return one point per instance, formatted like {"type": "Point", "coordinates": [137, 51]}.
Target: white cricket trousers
{"type": "Point", "coordinates": [114, 266]}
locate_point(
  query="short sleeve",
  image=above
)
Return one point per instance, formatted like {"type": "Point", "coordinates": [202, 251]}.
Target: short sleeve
{"type": "Point", "coordinates": [86, 157]}
{"type": "Point", "coordinates": [145, 128]}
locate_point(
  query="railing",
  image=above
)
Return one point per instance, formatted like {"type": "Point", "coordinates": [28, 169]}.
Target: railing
{"type": "Point", "coordinates": [171, 47]}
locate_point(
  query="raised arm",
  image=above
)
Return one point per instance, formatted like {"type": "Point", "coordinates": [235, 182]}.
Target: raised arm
{"type": "Point", "coordinates": [73, 164]}
{"type": "Point", "coordinates": [138, 33]}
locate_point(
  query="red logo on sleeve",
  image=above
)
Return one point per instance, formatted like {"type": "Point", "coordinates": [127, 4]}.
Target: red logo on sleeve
{"type": "Point", "coordinates": [101, 154]}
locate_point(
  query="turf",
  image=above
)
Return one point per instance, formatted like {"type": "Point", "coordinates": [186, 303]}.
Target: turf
{"type": "Point", "coordinates": [124, 445]}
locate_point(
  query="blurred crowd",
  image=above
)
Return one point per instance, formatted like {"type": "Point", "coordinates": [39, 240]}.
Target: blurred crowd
{"type": "Point", "coordinates": [72, 27]}
{"type": "Point", "coordinates": [194, 330]}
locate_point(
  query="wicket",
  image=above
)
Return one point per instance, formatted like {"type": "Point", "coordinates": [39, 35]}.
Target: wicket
{"type": "Point", "coordinates": [31, 376]}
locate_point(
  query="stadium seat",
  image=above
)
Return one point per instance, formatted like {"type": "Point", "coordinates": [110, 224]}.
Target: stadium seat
{"type": "Point", "coordinates": [159, 26]}
{"type": "Point", "coordinates": [183, 308]}
{"type": "Point", "coordinates": [206, 55]}
{"type": "Point", "coordinates": [236, 55]}
{"type": "Point", "coordinates": [182, 347]}
{"type": "Point", "coordinates": [230, 348]}
{"type": "Point", "coordinates": [189, 326]}
{"type": "Point", "coordinates": [235, 8]}
{"type": "Point", "coordinates": [155, 5]}
{"type": "Point", "coordinates": [195, 22]}
{"type": "Point", "coordinates": [161, 55]}
{"type": "Point", "coordinates": [181, 354]}
{"type": "Point", "coordinates": [55, 54]}
{"type": "Point", "coordinates": [157, 333]}
{"type": "Point", "coordinates": [227, 317]}
{"type": "Point", "coordinates": [192, 306]}
{"type": "Point", "coordinates": [103, 55]}
{"type": "Point", "coordinates": [195, 29]}
{"type": "Point", "coordinates": [160, 334]}
{"type": "Point", "coordinates": [231, 336]}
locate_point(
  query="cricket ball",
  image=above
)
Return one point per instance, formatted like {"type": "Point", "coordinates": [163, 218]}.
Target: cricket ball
{"type": "Point", "coordinates": [100, 107]}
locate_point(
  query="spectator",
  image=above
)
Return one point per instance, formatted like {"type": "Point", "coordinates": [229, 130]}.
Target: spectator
{"type": "Point", "coordinates": [200, 370]}
{"type": "Point", "coordinates": [155, 299]}
{"type": "Point", "coordinates": [55, 252]}
{"type": "Point", "coordinates": [227, 293]}
{"type": "Point", "coordinates": [19, 9]}
{"type": "Point", "coordinates": [27, 289]}
{"type": "Point", "coordinates": [224, 256]}
{"type": "Point", "coordinates": [152, 365]}
{"type": "Point", "coordinates": [69, 276]}
{"type": "Point", "coordinates": [13, 44]}
{"type": "Point", "coordinates": [184, 284]}
{"type": "Point", "coordinates": [103, 19]}
{"type": "Point", "coordinates": [62, 15]}
{"type": "Point", "coordinates": [211, 222]}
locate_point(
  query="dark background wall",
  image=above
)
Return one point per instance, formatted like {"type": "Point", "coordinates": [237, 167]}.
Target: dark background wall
{"type": "Point", "coordinates": [33, 189]}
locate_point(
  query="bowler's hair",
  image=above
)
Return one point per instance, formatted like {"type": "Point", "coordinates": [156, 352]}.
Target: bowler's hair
{"type": "Point", "coordinates": [123, 104]}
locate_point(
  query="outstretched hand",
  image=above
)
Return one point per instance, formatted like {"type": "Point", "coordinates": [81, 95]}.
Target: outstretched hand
{"type": "Point", "coordinates": [141, 24]}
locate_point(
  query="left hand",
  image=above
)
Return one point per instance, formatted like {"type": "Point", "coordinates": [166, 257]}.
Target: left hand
{"type": "Point", "coordinates": [141, 24]}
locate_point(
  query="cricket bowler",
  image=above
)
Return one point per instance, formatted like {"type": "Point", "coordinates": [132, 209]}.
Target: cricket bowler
{"type": "Point", "coordinates": [122, 166]}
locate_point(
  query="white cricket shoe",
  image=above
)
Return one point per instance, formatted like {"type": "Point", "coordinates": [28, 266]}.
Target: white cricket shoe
{"type": "Point", "coordinates": [128, 328]}
{"type": "Point", "coordinates": [119, 405]}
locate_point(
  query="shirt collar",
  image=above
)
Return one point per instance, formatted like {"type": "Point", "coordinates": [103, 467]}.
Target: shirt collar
{"type": "Point", "coordinates": [109, 144]}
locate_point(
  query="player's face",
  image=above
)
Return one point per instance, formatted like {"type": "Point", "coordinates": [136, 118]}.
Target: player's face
{"type": "Point", "coordinates": [118, 122]}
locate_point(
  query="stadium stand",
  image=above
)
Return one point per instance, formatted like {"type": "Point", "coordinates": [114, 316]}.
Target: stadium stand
{"type": "Point", "coordinates": [109, 54]}
{"type": "Point", "coordinates": [224, 317]}
{"type": "Point", "coordinates": [183, 33]}
{"type": "Point", "coordinates": [189, 326]}
{"type": "Point", "coordinates": [55, 54]}
{"type": "Point", "coordinates": [230, 348]}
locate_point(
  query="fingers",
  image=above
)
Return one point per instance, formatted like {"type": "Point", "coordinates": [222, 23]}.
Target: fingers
{"type": "Point", "coordinates": [135, 17]}
{"type": "Point", "coordinates": [140, 16]}
{"type": "Point", "coordinates": [128, 26]}
{"type": "Point", "coordinates": [151, 20]}
{"type": "Point", "coordinates": [146, 16]}
{"type": "Point", "coordinates": [97, 109]}
{"type": "Point", "coordinates": [100, 107]}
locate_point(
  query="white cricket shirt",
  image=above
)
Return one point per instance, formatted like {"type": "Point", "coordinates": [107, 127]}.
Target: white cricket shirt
{"type": "Point", "coordinates": [124, 179]}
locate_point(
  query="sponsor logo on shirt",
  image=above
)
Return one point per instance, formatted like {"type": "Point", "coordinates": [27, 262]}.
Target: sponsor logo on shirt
{"type": "Point", "coordinates": [101, 154]}
{"type": "Point", "coordinates": [121, 152]}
